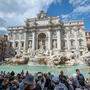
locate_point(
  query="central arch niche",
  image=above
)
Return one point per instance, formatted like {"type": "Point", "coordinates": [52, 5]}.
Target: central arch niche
{"type": "Point", "coordinates": [42, 41]}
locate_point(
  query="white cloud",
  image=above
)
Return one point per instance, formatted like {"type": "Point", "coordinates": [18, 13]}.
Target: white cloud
{"type": "Point", "coordinates": [14, 11]}
{"type": "Point", "coordinates": [65, 17]}
{"type": "Point", "coordinates": [77, 3]}
{"type": "Point", "coordinates": [81, 8]}
{"type": "Point", "coordinates": [7, 15]}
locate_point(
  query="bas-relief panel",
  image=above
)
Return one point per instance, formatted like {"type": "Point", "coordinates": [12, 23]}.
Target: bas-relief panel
{"type": "Point", "coordinates": [42, 23]}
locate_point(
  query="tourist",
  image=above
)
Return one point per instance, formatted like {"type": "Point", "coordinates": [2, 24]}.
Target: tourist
{"type": "Point", "coordinates": [60, 86]}
{"type": "Point", "coordinates": [1, 81]}
{"type": "Point", "coordinates": [63, 79]}
{"type": "Point", "coordinates": [22, 72]}
{"type": "Point", "coordinates": [40, 81]}
{"type": "Point", "coordinates": [73, 83]}
{"type": "Point", "coordinates": [48, 84]}
{"type": "Point", "coordinates": [80, 78]}
{"type": "Point", "coordinates": [14, 85]}
{"type": "Point", "coordinates": [27, 73]}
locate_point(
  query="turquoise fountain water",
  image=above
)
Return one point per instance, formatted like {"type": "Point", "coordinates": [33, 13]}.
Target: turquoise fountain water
{"type": "Point", "coordinates": [68, 70]}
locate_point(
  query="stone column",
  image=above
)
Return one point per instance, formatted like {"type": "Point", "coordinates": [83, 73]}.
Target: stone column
{"type": "Point", "coordinates": [68, 42]}
{"type": "Point", "coordinates": [13, 44]}
{"type": "Point", "coordinates": [58, 40]}
{"type": "Point", "coordinates": [33, 40]}
{"type": "Point", "coordinates": [49, 40]}
{"type": "Point", "coordinates": [26, 42]}
{"type": "Point", "coordinates": [36, 40]}
{"type": "Point", "coordinates": [77, 50]}
{"type": "Point", "coordinates": [13, 40]}
{"type": "Point", "coordinates": [19, 42]}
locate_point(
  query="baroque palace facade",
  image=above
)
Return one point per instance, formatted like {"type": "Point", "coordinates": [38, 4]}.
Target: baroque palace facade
{"type": "Point", "coordinates": [49, 34]}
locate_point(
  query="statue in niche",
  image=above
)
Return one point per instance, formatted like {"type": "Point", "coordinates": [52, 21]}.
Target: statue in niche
{"type": "Point", "coordinates": [29, 46]}
{"type": "Point", "coordinates": [40, 45]}
{"type": "Point", "coordinates": [54, 44]}
{"type": "Point", "coordinates": [63, 44]}
{"type": "Point", "coordinates": [40, 52]}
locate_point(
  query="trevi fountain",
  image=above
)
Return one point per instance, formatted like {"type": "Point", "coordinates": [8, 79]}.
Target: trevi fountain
{"type": "Point", "coordinates": [47, 44]}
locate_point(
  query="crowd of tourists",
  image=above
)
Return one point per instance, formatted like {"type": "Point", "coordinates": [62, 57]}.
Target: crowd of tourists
{"type": "Point", "coordinates": [41, 81]}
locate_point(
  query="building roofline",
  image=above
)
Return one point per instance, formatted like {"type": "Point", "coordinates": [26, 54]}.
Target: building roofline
{"type": "Point", "coordinates": [87, 31]}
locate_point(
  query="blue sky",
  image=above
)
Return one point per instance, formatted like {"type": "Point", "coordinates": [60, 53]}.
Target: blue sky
{"type": "Point", "coordinates": [14, 12]}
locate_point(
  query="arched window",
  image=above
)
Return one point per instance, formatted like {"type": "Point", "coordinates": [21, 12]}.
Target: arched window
{"type": "Point", "coordinates": [42, 41]}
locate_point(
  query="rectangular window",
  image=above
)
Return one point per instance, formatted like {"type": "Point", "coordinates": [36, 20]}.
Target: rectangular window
{"type": "Point", "coordinates": [86, 33]}
{"type": "Point", "coordinates": [81, 53]}
{"type": "Point", "coordinates": [10, 44]}
{"type": "Point", "coordinates": [89, 33]}
{"type": "Point", "coordinates": [63, 44]}
{"type": "Point", "coordinates": [22, 35]}
{"type": "Point", "coordinates": [80, 43]}
{"type": "Point", "coordinates": [22, 44]}
{"type": "Point", "coordinates": [16, 36]}
{"type": "Point", "coordinates": [16, 44]}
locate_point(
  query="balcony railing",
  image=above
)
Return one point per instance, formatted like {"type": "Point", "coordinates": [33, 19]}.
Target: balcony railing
{"type": "Point", "coordinates": [81, 47]}
{"type": "Point", "coordinates": [71, 36]}
{"type": "Point", "coordinates": [72, 47]}
{"type": "Point", "coordinates": [64, 48]}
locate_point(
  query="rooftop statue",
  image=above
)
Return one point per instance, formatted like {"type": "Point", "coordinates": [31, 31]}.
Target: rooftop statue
{"type": "Point", "coordinates": [42, 15]}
